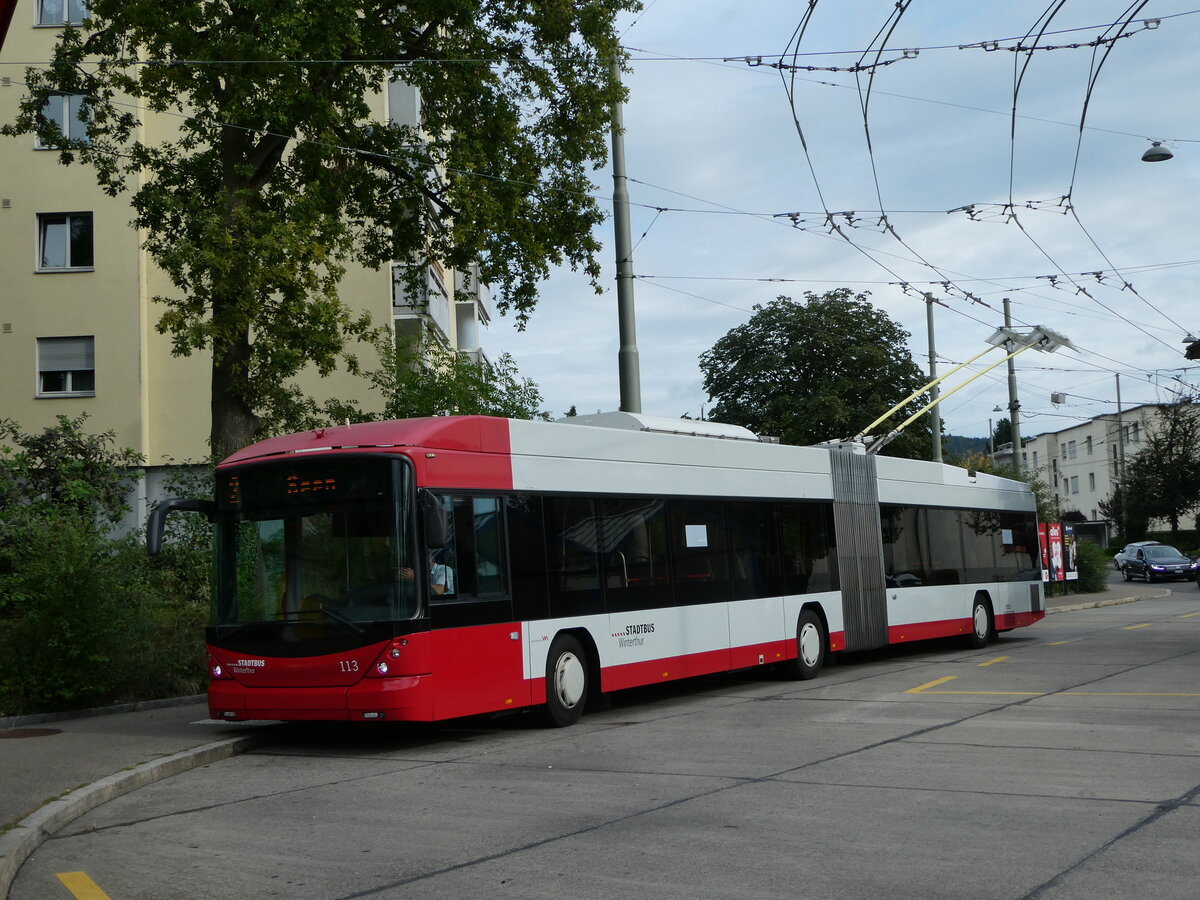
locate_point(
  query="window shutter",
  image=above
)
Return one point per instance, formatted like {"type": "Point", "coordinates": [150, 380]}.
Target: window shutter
{"type": "Point", "coordinates": [66, 354]}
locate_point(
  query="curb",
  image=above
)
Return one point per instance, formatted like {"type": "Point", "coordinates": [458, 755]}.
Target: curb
{"type": "Point", "coordinates": [1115, 601]}
{"type": "Point", "coordinates": [18, 844]}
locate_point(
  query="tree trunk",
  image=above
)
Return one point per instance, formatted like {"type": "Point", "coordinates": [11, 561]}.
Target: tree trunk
{"type": "Point", "coordinates": [234, 424]}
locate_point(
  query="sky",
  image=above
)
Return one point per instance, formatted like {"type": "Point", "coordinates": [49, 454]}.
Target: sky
{"type": "Point", "coordinates": [946, 192]}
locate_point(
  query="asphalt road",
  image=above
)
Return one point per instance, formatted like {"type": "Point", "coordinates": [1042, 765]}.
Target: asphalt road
{"type": "Point", "coordinates": [1062, 761]}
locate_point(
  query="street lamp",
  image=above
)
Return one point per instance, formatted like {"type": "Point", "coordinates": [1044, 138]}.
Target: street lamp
{"type": "Point", "coordinates": [1157, 153]}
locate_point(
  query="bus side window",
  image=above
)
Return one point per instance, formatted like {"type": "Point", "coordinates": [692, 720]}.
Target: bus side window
{"type": "Point", "coordinates": [489, 546]}
{"type": "Point", "coordinates": [572, 563]}
{"type": "Point", "coordinates": [477, 546]}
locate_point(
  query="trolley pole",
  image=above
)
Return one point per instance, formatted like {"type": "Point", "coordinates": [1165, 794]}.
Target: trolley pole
{"type": "Point", "coordinates": [1014, 406]}
{"type": "Point", "coordinates": [628, 368]}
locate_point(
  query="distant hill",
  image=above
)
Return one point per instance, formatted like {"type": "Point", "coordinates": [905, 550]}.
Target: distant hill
{"type": "Point", "coordinates": [956, 445]}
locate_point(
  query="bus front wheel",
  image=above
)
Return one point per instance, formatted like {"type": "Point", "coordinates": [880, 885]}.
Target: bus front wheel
{"type": "Point", "coordinates": [566, 682]}
{"type": "Point", "coordinates": [811, 645]}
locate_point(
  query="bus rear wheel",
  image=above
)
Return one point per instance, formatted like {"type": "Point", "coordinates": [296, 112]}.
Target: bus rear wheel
{"type": "Point", "coordinates": [566, 682]}
{"type": "Point", "coordinates": [811, 645]}
{"type": "Point", "coordinates": [981, 624]}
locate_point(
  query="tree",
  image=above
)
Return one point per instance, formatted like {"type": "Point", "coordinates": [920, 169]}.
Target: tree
{"type": "Point", "coordinates": [816, 371]}
{"type": "Point", "coordinates": [1047, 501]}
{"type": "Point", "coordinates": [275, 176]}
{"type": "Point", "coordinates": [1163, 480]}
{"type": "Point", "coordinates": [1003, 432]}
{"type": "Point", "coordinates": [430, 379]}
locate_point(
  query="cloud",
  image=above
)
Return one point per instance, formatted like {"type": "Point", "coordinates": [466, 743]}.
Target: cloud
{"type": "Point", "coordinates": [721, 137]}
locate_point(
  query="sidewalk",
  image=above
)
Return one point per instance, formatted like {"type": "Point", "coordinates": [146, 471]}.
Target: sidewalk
{"type": "Point", "coordinates": [56, 768]}
{"type": "Point", "coordinates": [1127, 592]}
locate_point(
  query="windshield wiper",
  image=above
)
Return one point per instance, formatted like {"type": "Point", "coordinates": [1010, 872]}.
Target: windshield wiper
{"type": "Point", "coordinates": [338, 617]}
{"type": "Point", "coordinates": [329, 613]}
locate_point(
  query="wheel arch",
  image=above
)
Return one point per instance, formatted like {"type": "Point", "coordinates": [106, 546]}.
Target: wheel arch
{"type": "Point", "coordinates": [816, 607]}
{"type": "Point", "coordinates": [986, 596]}
{"type": "Point", "coordinates": [590, 650]}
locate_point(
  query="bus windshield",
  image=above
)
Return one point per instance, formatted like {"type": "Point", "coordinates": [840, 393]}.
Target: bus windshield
{"type": "Point", "coordinates": [315, 541]}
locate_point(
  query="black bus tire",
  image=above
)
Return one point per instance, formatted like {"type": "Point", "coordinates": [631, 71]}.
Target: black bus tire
{"type": "Point", "coordinates": [811, 647]}
{"type": "Point", "coordinates": [566, 682]}
{"type": "Point", "coordinates": [981, 624]}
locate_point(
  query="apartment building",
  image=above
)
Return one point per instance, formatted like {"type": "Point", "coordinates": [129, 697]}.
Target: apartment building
{"type": "Point", "coordinates": [1082, 464]}
{"type": "Point", "coordinates": [77, 316]}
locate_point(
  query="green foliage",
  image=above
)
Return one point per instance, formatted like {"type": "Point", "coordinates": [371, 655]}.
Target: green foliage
{"type": "Point", "coordinates": [1093, 565]}
{"type": "Point", "coordinates": [64, 467]}
{"type": "Point", "coordinates": [430, 380]}
{"type": "Point", "coordinates": [817, 371]}
{"type": "Point", "coordinates": [1002, 434]}
{"type": "Point", "coordinates": [86, 618]}
{"type": "Point", "coordinates": [954, 446]}
{"type": "Point", "coordinates": [1047, 501]}
{"type": "Point", "coordinates": [276, 174]}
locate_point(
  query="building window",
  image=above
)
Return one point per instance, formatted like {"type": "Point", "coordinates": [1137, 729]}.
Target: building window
{"type": "Point", "coordinates": [1072, 450]}
{"type": "Point", "coordinates": [63, 110]}
{"type": "Point", "coordinates": [1089, 446]}
{"type": "Point", "coordinates": [1063, 450]}
{"type": "Point", "coordinates": [1035, 459]}
{"type": "Point", "coordinates": [64, 241]}
{"type": "Point", "coordinates": [1091, 482]}
{"type": "Point", "coordinates": [66, 366]}
{"type": "Point", "coordinates": [61, 12]}
{"type": "Point", "coordinates": [1074, 484]}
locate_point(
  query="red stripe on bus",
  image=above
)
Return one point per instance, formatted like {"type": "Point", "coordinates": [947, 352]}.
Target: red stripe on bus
{"type": "Point", "coordinates": [1005, 621]}
{"type": "Point", "coordinates": [670, 668]}
{"type": "Point", "coordinates": [924, 631]}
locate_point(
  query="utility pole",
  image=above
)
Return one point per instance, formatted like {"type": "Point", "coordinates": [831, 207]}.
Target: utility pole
{"type": "Point", "coordinates": [1014, 406]}
{"type": "Point", "coordinates": [628, 368]}
{"type": "Point", "coordinates": [933, 392]}
{"type": "Point", "coordinates": [1120, 442]}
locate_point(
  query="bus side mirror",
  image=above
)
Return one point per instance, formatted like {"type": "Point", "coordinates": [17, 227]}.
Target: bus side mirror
{"type": "Point", "coordinates": [157, 523]}
{"type": "Point", "coordinates": [435, 528]}
{"type": "Point", "coordinates": [434, 520]}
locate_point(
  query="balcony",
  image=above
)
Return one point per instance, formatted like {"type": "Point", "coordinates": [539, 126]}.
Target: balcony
{"type": "Point", "coordinates": [431, 300]}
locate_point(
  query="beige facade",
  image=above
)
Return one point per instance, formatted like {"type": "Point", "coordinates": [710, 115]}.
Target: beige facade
{"type": "Point", "coordinates": [1082, 464]}
{"type": "Point", "coordinates": [77, 316]}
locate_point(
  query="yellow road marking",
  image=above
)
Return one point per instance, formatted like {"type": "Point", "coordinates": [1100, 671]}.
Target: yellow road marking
{"type": "Point", "coordinates": [1189, 615]}
{"type": "Point", "coordinates": [924, 687]}
{"type": "Point", "coordinates": [82, 887]}
{"type": "Point", "coordinates": [1060, 643]}
{"type": "Point", "coordinates": [992, 662]}
{"type": "Point", "coordinates": [1133, 627]}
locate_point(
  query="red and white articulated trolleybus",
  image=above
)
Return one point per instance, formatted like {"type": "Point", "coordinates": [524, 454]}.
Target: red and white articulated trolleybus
{"type": "Point", "coordinates": [432, 568]}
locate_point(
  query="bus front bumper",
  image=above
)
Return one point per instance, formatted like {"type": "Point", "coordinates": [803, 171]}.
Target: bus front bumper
{"type": "Point", "coordinates": [406, 698]}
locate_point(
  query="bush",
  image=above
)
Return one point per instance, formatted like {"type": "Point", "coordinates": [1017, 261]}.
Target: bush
{"type": "Point", "coordinates": [86, 618]}
{"type": "Point", "coordinates": [1093, 564]}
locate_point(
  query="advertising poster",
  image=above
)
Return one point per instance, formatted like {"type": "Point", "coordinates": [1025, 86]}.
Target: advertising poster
{"type": "Point", "coordinates": [1045, 551]}
{"type": "Point", "coordinates": [1054, 539]}
{"type": "Point", "coordinates": [1070, 558]}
